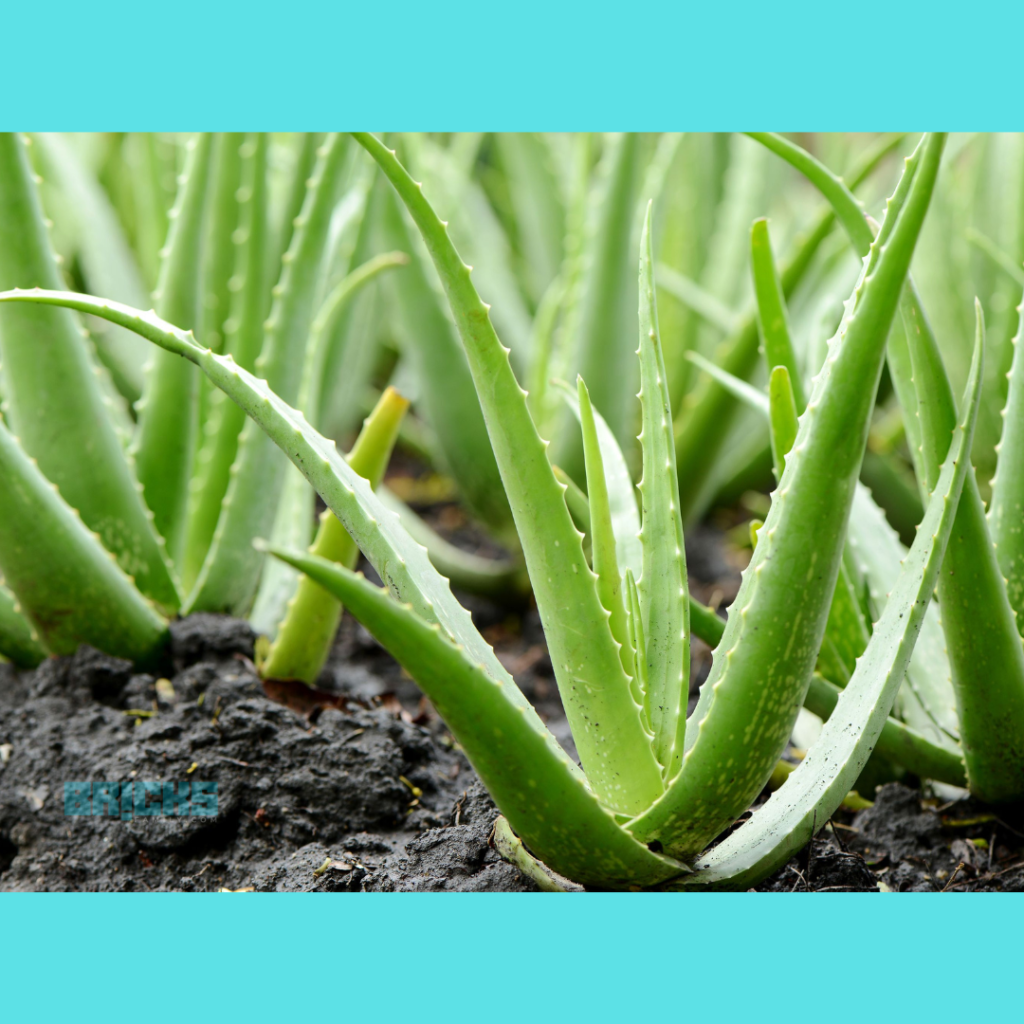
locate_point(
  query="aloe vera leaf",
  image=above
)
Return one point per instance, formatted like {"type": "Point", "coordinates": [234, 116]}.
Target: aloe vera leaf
{"type": "Point", "coordinates": [1006, 511]}
{"type": "Point", "coordinates": [53, 400]}
{"type": "Point", "coordinates": [846, 632]}
{"type": "Point", "coordinates": [151, 199]}
{"type": "Point", "coordinates": [448, 400]}
{"type": "Point", "coordinates": [331, 311]}
{"type": "Point", "coordinates": [479, 235]}
{"type": "Point", "coordinates": [537, 205]}
{"type": "Point", "coordinates": [602, 533]}
{"type": "Point", "coordinates": [18, 640]}
{"type": "Point", "coordinates": [401, 562]}
{"type": "Point", "coordinates": [68, 585]}
{"type": "Point", "coordinates": [978, 620]}
{"type": "Point", "coordinates": [106, 260]}
{"type": "Point", "coordinates": [518, 760]}
{"type": "Point", "coordinates": [782, 412]}
{"type": "Point", "coordinates": [772, 317]}
{"type": "Point", "coordinates": [638, 642]}
{"type": "Point", "coordinates": [230, 573]}
{"type": "Point", "coordinates": [771, 642]}
{"type": "Point", "coordinates": [622, 496]}
{"type": "Point", "coordinates": [604, 719]}
{"type": "Point", "coordinates": [663, 585]}
{"type": "Point", "coordinates": [545, 323]}
{"type": "Point", "coordinates": [243, 337]}
{"type": "Point", "coordinates": [600, 355]}
{"type": "Point", "coordinates": [343, 357]}
{"type": "Point", "coordinates": [305, 636]}
{"type": "Point", "coordinates": [500, 579]}
{"type": "Point", "coordinates": [692, 295]}
{"type": "Point", "coordinates": [706, 411]}
{"type": "Point", "coordinates": [878, 552]}
{"type": "Point", "coordinates": [894, 489]}
{"type": "Point", "coordinates": [815, 789]}
{"type": "Point", "coordinates": [691, 196]}
{"type": "Point", "coordinates": [219, 247]}
{"type": "Point", "coordinates": [164, 445]}
{"type": "Point", "coordinates": [897, 742]}
{"type": "Point", "coordinates": [306, 145]}
{"type": "Point", "coordinates": [576, 223]}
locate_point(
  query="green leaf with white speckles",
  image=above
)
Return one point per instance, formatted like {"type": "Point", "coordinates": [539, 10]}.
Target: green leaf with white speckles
{"type": "Point", "coordinates": [69, 587]}
{"type": "Point", "coordinates": [53, 401]}
{"type": "Point", "coordinates": [663, 585]}
{"type": "Point", "coordinates": [605, 721]}
{"type": "Point", "coordinates": [771, 640]}
{"type": "Point", "coordinates": [532, 781]}
{"type": "Point", "coordinates": [815, 789]}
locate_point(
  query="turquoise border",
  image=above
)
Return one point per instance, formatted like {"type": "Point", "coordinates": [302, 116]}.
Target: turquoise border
{"type": "Point", "coordinates": [532, 64]}
{"type": "Point", "coordinates": [535, 64]}
{"type": "Point", "coordinates": [516, 959]}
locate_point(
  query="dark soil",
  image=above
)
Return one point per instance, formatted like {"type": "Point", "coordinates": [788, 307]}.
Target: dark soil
{"type": "Point", "coordinates": [359, 786]}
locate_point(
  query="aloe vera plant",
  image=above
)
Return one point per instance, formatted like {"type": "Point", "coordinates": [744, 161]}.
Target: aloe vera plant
{"type": "Point", "coordinates": [656, 786]}
{"type": "Point", "coordinates": [111, 526]}
{"type": "Point", "coordinates": [965, 690]}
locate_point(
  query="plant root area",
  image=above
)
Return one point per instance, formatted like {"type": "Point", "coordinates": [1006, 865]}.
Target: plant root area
{"type": "Point", "coordinates": [357, 785]}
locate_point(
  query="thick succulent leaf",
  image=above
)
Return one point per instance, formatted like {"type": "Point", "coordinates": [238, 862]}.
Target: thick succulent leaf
{"type": "Point", "coordinates": [877, 552]}
{"type": "Point", "coordinates": [531, 779]}
{"type": "Point", "coordinates": [604, 718]}
{"type": "Point", "coordinates": [447, 400]}
{"type": "Point", "coordinates": [52, 398]}
{"type": "Point", "coordinates": [602, 534]}
{"type": "Point", "coordinates": [638, 642]}
{"type": "Point", "coordinates": [68, 585]}
{"type": "Point", "coordinates": [19, 642]}
{"type": "Point", "coordinates": [763, 666]}
{"type": "Point", "coordinates": [304, 639]}
{"type": "Point", "coordinates": [815, 789]}
{"type": "Point", "coordinates": [305, 146]}
{"type": "Point", "coordinates": [978, 621]}
{"type": "Point", "coordinates": [772, 316]}
{"type": "Point", "coordinates": [663, 585]}
{"type": "Point", "coordinates": [707, 410]}
{"type": "Point", "coordinates": [230, 574]}
{"type": "Point", "coordinates": [897, 742]}
{"type": "Point", "coordinates": [600, 354]}
{"type": "Point", "coordinates": [331, 311]}
{"type": "Point", "coordinates": [166, 440]}
{"type": "Point", "coordinates": [243, 338]}
{"type": "Point", "coordinates": [1006, 511]}
{"type": "Point", "coordinates": [622, 495]}
{"type": "Point", "coordinates": [399, 561]}
{"type": "Point", "coordinates": [149, 161]}
{"type": "Point", "coordinates": [106, 259]}
{"type": "Point", "coordinates": [479, 236]}
{"type": "Point", "coordinates": [222, 220]}
{"type": "Point", "coordinates": [782, 413]}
